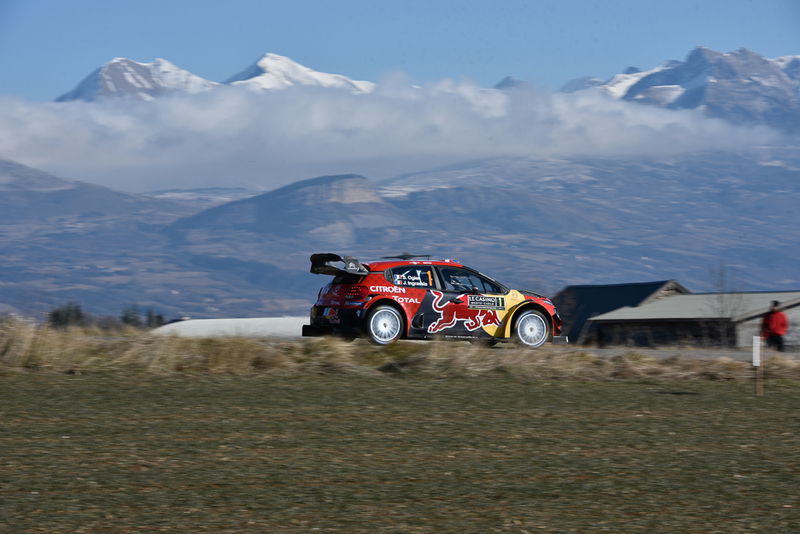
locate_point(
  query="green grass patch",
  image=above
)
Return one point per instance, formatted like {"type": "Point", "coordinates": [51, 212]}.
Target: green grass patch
{"type": "Point", "coordinates": [123, 453]}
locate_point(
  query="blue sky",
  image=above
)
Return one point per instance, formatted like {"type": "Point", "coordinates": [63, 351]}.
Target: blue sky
{"type": "Point", "coordinates": [48, 46]}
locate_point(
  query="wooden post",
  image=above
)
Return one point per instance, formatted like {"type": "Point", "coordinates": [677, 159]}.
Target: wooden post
{"type": "Point", "coordinates": [757, 365]}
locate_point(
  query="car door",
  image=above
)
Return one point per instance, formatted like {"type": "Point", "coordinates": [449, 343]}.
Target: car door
{"type": "Point", "coordinates": [468, 305]}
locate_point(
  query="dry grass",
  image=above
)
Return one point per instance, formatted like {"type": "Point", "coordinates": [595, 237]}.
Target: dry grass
{"type": "Point", "coordinates": [25, 346]}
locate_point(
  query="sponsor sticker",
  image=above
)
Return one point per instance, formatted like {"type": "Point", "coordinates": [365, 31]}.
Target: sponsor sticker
{"type": "Point", "coordinates": [452, 315]}
{"type": "Point", "coordinates": [387, 289]}
{"type": "Point", "coordinates": [406, 300]}
{"type": "Point", "coordinates": [485, 302]}
{"type": "Point", "coordinates": [332, 315]}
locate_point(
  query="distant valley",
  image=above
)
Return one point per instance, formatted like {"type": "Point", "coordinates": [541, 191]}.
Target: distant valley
{"type": "Point", "coordinates": [539, 224]}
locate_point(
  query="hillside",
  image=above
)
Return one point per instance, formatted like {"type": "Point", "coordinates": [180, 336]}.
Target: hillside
{"type": "Point", "coordinates": [536, 224]}
{"type": "Point", "coordinates": [741, 87]}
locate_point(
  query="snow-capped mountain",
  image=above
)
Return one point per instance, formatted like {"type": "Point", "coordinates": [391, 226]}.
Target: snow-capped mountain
{"type": "Point", "coordinates": [790, 65]}
{"type": "Point", "coordinates": [739, 86]}
{"type": "Point", "coordinates": [272, 71]}
{"type": "Point", "coordinates": [578, 84]}
{"type": "Point", "coordinates": [125, 77]}
{"type": "Point", "coordinates": [145, 81]}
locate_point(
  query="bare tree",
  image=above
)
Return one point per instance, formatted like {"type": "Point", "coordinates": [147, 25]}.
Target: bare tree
{"type": "Point", "coordinates": [727, 303]}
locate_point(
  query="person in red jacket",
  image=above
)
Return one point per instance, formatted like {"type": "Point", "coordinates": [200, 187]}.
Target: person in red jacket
{"type": "Point", "coordinates": [774, 326]}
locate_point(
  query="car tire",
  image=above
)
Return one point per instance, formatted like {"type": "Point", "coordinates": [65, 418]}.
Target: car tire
{"type": "Point", "coordinates": [531, 329]}
{"type": "Point", "coordinates": [384, 325]}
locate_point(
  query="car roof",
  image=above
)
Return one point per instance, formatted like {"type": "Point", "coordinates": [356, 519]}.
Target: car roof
{"type": "Point", "coordinates": [383, 265]}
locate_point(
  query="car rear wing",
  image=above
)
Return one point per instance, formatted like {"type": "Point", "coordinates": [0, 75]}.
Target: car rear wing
{"type": "Point", "coordinates": [323, 264]}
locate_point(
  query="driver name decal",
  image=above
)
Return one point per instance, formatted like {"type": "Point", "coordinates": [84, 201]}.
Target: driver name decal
{"type": "Point", "coordinates": [414, 278]}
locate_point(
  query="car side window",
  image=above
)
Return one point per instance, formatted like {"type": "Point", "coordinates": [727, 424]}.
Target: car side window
{"type": "Point", "coordinates": [420, 276]}
{"type": "Point", "coordinates": [455, 279]}
{"type": "Point", "coordinates": [462, 281]}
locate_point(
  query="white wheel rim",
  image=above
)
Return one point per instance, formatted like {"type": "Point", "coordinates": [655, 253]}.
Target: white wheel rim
{"type": "Point", "coordinates": [532, 329]}
{"type": "Point", "coordinates": [385, 325]}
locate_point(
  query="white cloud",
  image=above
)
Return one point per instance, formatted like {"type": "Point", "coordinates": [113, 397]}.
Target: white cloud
{"type": "Point", "coordinates": [236, 137]}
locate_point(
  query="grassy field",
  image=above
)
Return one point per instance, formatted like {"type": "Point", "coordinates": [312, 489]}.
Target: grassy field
{"type": "Point", "coordinates": [25, 347]}
{"type": "Point", "coordinates": [137, 452]}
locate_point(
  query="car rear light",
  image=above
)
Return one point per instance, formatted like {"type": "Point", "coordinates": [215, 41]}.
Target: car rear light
{"type": "Point", "coordinates": [356, 293]}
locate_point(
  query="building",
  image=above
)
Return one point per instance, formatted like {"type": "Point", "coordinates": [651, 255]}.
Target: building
{"type": "Point", "coordinates": [729, 319]}
{"type": "Point", "coordinates": [577, 304]}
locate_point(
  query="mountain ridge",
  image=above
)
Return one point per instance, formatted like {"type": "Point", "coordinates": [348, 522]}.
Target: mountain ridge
{"type": "Point", "coordinates": [273, 71]}
{"type": "Point", "coordinates": [740, 86]}
{"type": "Point", "coordinates": [123, 77]}
{"type": "Point", "coordinates": [538, 224]}
{"type": "Point", "coordinates": [31, 195]}
{"type": "Point", "coordinates": [144, 81]}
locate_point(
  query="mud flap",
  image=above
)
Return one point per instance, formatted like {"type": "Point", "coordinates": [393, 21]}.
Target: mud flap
{"type": "Point", "coordinates": [315, 331]}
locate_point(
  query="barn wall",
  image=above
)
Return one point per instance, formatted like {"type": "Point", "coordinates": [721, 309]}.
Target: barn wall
{"type": "Point", "coordinates": [657, 333]}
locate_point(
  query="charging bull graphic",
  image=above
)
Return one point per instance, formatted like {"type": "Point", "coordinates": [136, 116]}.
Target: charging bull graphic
{"type": "Point", "coordinates": [450, 313]}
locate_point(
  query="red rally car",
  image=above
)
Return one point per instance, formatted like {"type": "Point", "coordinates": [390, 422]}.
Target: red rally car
{"type": "Point", "coordinates": [404, 297]}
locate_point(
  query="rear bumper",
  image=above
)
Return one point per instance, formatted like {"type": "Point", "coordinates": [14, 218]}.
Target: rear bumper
{"type": "Point", "coordinates": [342, 322]}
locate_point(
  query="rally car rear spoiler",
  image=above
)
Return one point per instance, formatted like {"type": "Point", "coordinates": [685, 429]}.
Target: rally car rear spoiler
{"type": "Point", "coordinates": [321, 264]}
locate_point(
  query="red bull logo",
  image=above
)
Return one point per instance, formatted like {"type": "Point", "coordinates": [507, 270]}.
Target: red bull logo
{"type": "Point", "coordinates": [451, 313]}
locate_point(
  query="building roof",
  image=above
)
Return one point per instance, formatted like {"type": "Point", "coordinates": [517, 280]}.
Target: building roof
{"type": "Point", "coordinates": [734, 306]}
{"type": "Point", "coordinates": [578, 303]}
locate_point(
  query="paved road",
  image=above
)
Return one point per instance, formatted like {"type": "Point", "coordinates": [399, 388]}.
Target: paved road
{"type": "Point", "coordinates": [283, 327]}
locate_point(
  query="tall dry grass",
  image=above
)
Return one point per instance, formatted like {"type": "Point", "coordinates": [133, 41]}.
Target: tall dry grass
{"type": "Point", "coordinates": [28, 347]}
{"type": "Point", "coordinates": [573, 363]}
